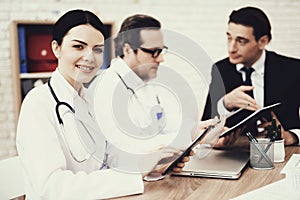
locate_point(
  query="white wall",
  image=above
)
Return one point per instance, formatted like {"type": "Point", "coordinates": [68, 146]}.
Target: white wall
{"type": "Point", "coordinates": [202, 21]}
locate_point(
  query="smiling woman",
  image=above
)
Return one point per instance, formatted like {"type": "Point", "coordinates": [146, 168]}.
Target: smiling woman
{"type": "Point", "coordinates": [80, 55]}
{"type": "Point", "coordinates": [60, 146]}
{"type": "Point", "coordinates": [79, 48]}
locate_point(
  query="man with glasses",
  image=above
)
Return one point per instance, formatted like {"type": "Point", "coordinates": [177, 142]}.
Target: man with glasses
{"type": "Point", "coordinates": [130, 109]}
{"type": "Point", "coordinates": [140, 45]}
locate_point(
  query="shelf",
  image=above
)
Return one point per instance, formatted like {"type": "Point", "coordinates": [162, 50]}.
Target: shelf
{"type": "Point", "coordinates": [35, 75]}
{"type": "Point", "coordinates": [28, 39]}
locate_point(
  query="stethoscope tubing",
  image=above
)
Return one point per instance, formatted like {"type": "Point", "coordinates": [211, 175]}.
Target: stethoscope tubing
{"type": "Point", "coordinates": [59, 103]}
{"type": "Point", "coordinates": [61, 123]}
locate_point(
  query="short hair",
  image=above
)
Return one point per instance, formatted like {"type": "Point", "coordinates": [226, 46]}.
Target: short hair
{"type": "Point", "coordinates": [130, 31]}
{"type": "Point", "coordinates": [75, 18]}
{"type": "Point", "coordinates": [252, 17]}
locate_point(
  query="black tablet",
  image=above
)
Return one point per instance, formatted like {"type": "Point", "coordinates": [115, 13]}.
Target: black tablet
{"type": "Point", "coordinates": [258, 114]}
{"type": "Point", "coordinates": [187, 151]}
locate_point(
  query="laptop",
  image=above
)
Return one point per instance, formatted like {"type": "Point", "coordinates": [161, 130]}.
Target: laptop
{"type": "Point", "coordinates": [218, 164]}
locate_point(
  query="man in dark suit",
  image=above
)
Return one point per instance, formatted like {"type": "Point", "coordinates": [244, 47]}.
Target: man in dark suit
{"type": "Point", "coordinates": [256, 77]}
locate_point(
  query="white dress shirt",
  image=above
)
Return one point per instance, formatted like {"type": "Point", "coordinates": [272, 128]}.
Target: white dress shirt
{"type": "Point", "coordinates": [257, 79]}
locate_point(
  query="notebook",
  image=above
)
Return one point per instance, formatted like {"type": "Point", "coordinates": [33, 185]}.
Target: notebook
{"type": "Point", "coordinates": [218, 164]}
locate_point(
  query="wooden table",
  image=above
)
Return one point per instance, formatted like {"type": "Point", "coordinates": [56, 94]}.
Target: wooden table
{"type": "Point", "coordinates": [207, 188]}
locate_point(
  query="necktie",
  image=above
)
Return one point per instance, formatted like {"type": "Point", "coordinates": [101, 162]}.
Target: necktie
{"type": "Point", "coordinates": [248, 71]}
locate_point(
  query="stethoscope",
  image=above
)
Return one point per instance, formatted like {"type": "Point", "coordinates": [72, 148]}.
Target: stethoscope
{"type": "Point", "coordinates": [159, 119]}
{"type": "Point", "coordinates": [159, 114]}
{"type": "Point", "coordinates": [61, 123]}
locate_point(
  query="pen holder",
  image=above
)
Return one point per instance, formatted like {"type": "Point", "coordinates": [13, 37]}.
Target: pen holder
{"type": "Point", "coordinates": [279, 151]}
{"type": "Point", "coordinates": [262, 154]}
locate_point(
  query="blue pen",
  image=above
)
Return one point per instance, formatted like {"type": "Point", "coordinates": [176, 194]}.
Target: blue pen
{"type": "Point", "coordinates": [159, 114]}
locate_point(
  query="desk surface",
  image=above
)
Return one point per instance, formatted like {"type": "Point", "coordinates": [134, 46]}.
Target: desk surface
{"type": "Point", "coordinates": [207, 188]}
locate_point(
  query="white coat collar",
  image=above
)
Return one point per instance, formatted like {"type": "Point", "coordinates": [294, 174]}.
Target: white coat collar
{"type": "Point", "coordinates": [119, 66]}
{"type": "Point", "coordinates": [63, 90]}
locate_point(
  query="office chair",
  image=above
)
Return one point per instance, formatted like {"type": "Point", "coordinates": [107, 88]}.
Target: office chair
{"type": "Point", "coordinates": [11, 178]}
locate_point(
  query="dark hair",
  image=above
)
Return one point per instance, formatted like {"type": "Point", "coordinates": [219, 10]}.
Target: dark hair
{"type": "Point", "coordinates": [130, 31]}
{"type": "Point", "coordinates": [252, 17]}
{"type": "Point", "coordinates": [75, 18]}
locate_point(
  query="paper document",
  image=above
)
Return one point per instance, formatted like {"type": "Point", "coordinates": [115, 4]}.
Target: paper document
{"type": "Point", "coordinates": [275, 191]}
{"type": "Point", "coordinates": [288, 188]}
{"type": "Point", "coordinates": [294, 161]}
{"type": "Point", "coordinates": [292, 172]}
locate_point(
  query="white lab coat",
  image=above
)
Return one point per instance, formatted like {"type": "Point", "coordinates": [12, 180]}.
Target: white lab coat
{"type": "Point", "coordinates": [111, 97]}
{"type": "Point", "coordinates": [50, 170]}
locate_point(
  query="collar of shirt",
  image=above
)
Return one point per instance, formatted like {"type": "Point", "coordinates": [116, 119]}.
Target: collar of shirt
{"type": "Point", "coordinates": [258, 66]}
{"type": "Point", "coordinates": [118, 65]}
{"type": "Point", "coordinates": [64, 91]}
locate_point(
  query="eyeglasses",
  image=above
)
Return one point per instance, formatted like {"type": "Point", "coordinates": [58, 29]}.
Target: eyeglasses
{"type": "Point", "coordinates": [156, 51]}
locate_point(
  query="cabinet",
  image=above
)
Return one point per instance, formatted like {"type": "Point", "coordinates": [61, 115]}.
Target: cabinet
{"type": "Point", "coordinates": [32, 57]}
{"type": "Point", "coordinates": [24, 72]}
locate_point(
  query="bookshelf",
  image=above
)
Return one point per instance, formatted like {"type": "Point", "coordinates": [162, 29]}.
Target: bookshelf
{"type": "Point", "coordinates": [32, 57]}
{"type": "Point", "coordinates": [24, 70]}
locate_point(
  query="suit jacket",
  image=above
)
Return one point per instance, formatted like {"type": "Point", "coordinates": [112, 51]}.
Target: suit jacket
{"type": "Point", "coordinates": [281, 84]}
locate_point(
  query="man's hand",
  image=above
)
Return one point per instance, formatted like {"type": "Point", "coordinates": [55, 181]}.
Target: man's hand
{"type": "Point", "coordinates": [162, 166]}
{"type": "Point", "coordinates": [237, 98]}
{"type": "Point", "coordinates": [204, 125]}
{"type": "Point", "coordinates": [289, 138]}
{"type": "Point", "coordinates": [181, 165]}
{"type": "Point", "coordinates": [156, 173]}
{"type": "Point", "coordinates": [229, 139]}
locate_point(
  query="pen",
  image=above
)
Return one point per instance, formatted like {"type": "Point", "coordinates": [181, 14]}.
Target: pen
{"type": "Point", "coordinates": [258, 147]}
{"type": "Point", "coordinates": [251, 138]}
{"type": "Point", "coordinates": [157, 99]}
{"type": "Point", "coordinates": [238, 110]}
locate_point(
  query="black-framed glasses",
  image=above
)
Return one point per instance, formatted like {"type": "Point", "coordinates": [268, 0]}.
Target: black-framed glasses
{"type": "Point", "coordinates": [155, 52]}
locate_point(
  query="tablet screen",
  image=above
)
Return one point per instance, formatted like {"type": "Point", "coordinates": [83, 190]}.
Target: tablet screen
{"type": "Point", "coordinates": [206, 140]}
